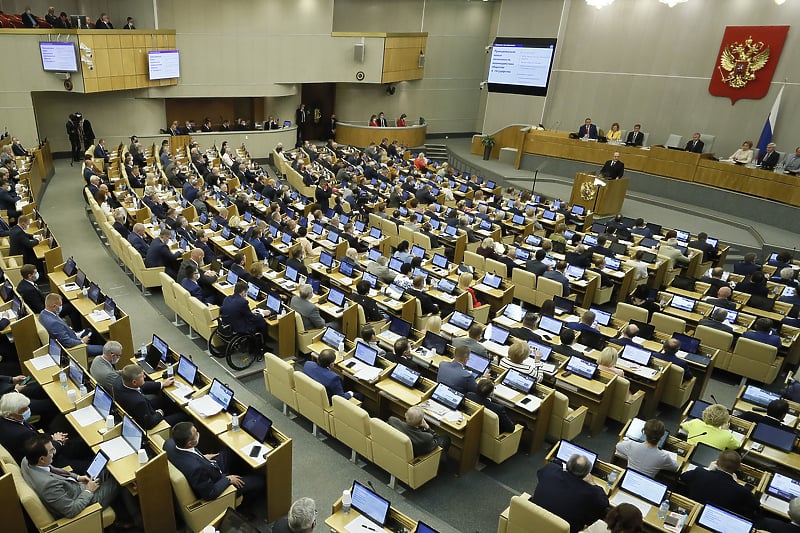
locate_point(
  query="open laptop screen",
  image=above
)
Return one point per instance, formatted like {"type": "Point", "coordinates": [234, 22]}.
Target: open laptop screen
{"type": "Point", "coordinates": [187, 370]}
{"type": "Point", "coordinates": [448, 397]}
{"type": "Point", "coordinates": [644, 487]}
{"type": "Point", "coordinates": [601, 317]}
{"type": "Point", "coordinates": [703, 455]}
{"type": "Point", "coordinates": [697, 409]}
{"type": "Point", "coordinates": [551, 325]}
{"type": "Point", "coordinates": [432, 341]}
{"type": "Point", "coordinates": [335, 296]}
{"type": "Point", "coordinates": [332, 338]}
{"type": "Point", "coordinates": [722, 521]}
{"type": "Point", "coordinates": [477, 364]}
{"type": "Point", "coordinates": [518, 381]}
{"type": "Point", "coordinates": [461, 320]}
{"type": "Point", "coordinates": [102, 402]}
{"type": "Point", "coordinates": [759, 396]}
{"type": "Point", "coordinates": [681, 302]}
{"type": "Point", "coordinates": [221, 394]}
{"type": "Point", "coordinates": [256, 424]}
{"type": "Point", "coordinates": [366, 354]}
{"type": "Point", "coordinates": [366, 502]}
{"type": "Point", "coordinates": [566, 450]}
{"type": "Point", "coordinates": [637, 355]}
{"type": "Point", "coordinates": [405, 375]}
{"type": "Point", "coordinates": [544, 350]}
{"type": "Point", "coordinates": [98, 464]}
{"type": "Point", "coordinates": [582, 367]}
{"type": "Point", "coordinates": [439, 261]}
{"type": "Point", "coordinates": [514, 312]}
{"type": "Point", "coordinates": [132, 433]}
{"type": "Point", "coordinates": [783, 487]}
{"type": "Point", "coordinates": [688, 344]}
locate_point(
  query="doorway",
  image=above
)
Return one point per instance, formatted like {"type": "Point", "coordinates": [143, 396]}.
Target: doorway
{"type": "Point", "coordinates": [320, 100]}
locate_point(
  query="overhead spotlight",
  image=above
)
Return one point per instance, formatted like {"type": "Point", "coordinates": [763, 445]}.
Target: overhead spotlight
{"type": "Point", "coordinates": [390, 89]}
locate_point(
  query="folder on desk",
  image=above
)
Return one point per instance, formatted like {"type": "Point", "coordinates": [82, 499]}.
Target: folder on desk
{"type": "Point", "coordinates": [205, 406]}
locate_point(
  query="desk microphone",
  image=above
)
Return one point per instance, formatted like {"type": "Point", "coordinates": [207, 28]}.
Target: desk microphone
{"type": "Point", "coordinates": [759, 409]}
{"type": "Point", "coordinates": [713, 399]}
{"type": "Point", "coordinates": [698, 435]}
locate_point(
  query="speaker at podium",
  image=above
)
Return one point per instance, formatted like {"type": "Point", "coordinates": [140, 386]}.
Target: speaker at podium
{"type": "Point", "coordinates": [599, 195]}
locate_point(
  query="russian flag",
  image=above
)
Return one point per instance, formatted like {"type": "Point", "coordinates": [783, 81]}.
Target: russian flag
{"type": "Point", "coordinates": [769, 125]}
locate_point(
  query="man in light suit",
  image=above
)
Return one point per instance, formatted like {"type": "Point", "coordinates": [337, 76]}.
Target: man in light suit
{"type": "Point", "coordinates": [695, 145]}
{"type": "Point", "coordinates": [59, 330]}
{"type": "Point", "coordinates": [472, 340]}
{"type": "Point", "coordinates": [65, 494]}
{"type": "Point", "coordinates": [208, 474]}
{"type": "Point", "coordinates": [455, 375]}
{"type": "Point", "coordinates": [613, 168]}
{"type": "Point", "coordinates": [588, 130]}
{"type": "Point", "coordinates": [321, 372]}
{"type": "Point", "coordinates": [636, 137]}
{"type": "Point", "coordinates": [307, 310]}
{"type": "Point", "coordinates": [103, 368]}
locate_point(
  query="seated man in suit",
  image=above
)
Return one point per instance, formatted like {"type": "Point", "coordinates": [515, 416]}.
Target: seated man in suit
{"type": "Point", "coordinates": [423, 439]}
{"type": "Point", "coordinates": [776, 412]}
{"type": "Point", "coordinates": [100, 151]}
{"type": "Point", "coordinates": [64, 493]}
{"type": "Point", "coordinates": [570, 492]}
{"type": "Point", "coordinates": [137, 239]}
{"type": "Point", "coordinates": [747, 265]}
{"type": "Point", "coordinates": [22, 243]}
{"type": "Point", "coordinates": [695, 145]}
{"type": "Point", "coordinates": [567, 338]}
{"type": "Point", "coordinates": [402, 354]}
{"type": "Point", "coordinates": [526, 331]}
{"type": "Point", "coordinates": [669, 353]}
{"type": "Point", "coordinates": [16, 409]}
{"type": "Point", "coordinates": [536, 265]}
{"type": "Point", "coordinates": [483, 396]}
{"type": "Point", "coordinates": [723, 298]}
{"type": "Point", "coordinates": [472, 340]}
{"type": "Point", "coordinates": [129, 393]}
{"type": "Point", "coordinates": [307, 310]}
{"type": "Point", "coordinates": [320, 371]}
{"type": "Point", "coordinates": [717, 321]}
{"type": "Point", "coordinates": [236, 312]}
{"type": "Point", "coordinates": [33, 296]}
{"type": "Point", "coordinates": [429, 307]}
{"type": "Point", "coordinates": [586, 323]}
{"type": "Point", "coordinates": [372, 312]}
{"type": "Point", "coordinates": [714, 280]}
{"type": "Point", "coordinates": [588, 130]}
{"type": "Point", "coordinates": [58, 329]}
{"type": "Point", "coordinates": [192, 284]}
{"type": "Point", "coordinates": [208, 474]}
{"type": "Point", "coordinates": [104, 367]}
{"type": "Point", "coordinates": [700, 243]}
{"type": "Point", "coordinates": [635, 137]}
{"type": "Point", "coordinates": [626, 337]}
{"type": "Point", "coordinates": [718, 486]}
{"type": "Point", "coordinates": [558, 275]}
{"type": "Point", "coordinates": [613, 168]}
{"type": "Point", "coordinates": [159, 254]}
{"type": "Point", "coordinates": [762, 332]}
{"type": "Point", "coordinates": [454, 373]}
{"type": "Point", "coordinates": [768, 159]}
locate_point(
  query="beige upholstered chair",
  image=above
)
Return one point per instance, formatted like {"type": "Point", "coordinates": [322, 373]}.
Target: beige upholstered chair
{"type": "Point", "coordinates": [524, 516]}
{"type": "Point", "coordinates": [167, 289]}
{"type": "Point", "coordinates": [495, 267]}
{"type": "Point", "coordinates": [147, 277]}
{"type": "Point", "coordinates": [351, 426]}
{"type": "Point", "coordinates": [623, 408]}
{"type": "Point", "coordinates": [667, 324]}
{"type": "Point", "coordinates": [305, 337]}
{"type": "Point", "coordinates": [627, 312]}
{"type": "Point", "coordinates": [279, 380]}
{"type": "Point", "coordinates": [720, 340]}
{"type": "Point", "coordinates": [565, 422]}
{"type": "Point", "coordinates": [495, 445]}
{"type": "Point", "coordinates": [755, 360]}
{"type": "Point", "coordinates": [198, 513]}
{"type": "Point", "coordinates": [676, 390]}
{"type": "Point", "coordinates": [313, 403]}
{"type": "Point", "coordinates": [480, 313]}
{"type": "Point", "coordinates": [546, 289]}
{"type": "Point", "coordinates": [524, 285]}
{"type": "Point", "coordinates": [474, 260]}
{"type": "Point", "coordinates": [392, 451]}
{"type": "Point", "coordinates": [92, 518]}
{"type": "Point", "coordinates": [203, 317]}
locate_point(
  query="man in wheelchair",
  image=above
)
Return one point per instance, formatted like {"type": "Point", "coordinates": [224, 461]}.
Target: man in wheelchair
{"type": "Point", "coordinates": [238, 319]}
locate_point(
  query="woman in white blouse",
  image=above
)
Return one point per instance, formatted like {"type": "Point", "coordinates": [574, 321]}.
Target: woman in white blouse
{"type": "Point", "coordinates": [519, 359]}
{"type": "Point", "coordinates": [744, 154]}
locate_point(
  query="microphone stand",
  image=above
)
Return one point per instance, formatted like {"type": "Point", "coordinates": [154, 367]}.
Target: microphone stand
{"type": "Point", "coordinates": [533, 187]}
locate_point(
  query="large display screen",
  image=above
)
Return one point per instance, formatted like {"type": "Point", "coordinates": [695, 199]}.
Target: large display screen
{"type": "Point", "coordinates": [58, 57]}
{"type": "Point", "coordinates": [164, 64]}
{"type": "Point", "coordinates": [521, 65]}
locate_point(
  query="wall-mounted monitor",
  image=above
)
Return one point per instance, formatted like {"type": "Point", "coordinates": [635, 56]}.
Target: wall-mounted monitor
{"type": "Point", "coordinates": [164, 64]}
{"type": "Point", "coordinates": [521, 65]}
{"type": "Point", "coordinates": [58, 57]}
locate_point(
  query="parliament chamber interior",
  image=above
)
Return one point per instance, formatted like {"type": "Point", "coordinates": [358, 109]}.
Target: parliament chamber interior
{"type": "Point", "coordinates": [427, 263]}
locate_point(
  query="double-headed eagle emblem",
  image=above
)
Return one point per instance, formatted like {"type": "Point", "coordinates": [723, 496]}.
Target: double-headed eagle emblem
{"type": "Point", "coordinates": [588, 190]}
{"type": "Point", "coordinates": [741, 61]}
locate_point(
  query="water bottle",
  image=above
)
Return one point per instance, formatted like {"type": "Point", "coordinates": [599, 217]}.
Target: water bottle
{"type": "Point", "coordinates": [170, 371]}
{"type": "Point", "coordinates": [82, 391]}
{"type": "Point", "coordinates": [341, 349]}
{"type": "Point", "coordinates": [143, 351]}
{"type": "Point", "coordinates": [234, 423]}
{"type": "Point", "coordinates": [347, 501]}
{"type": "Point", "coordinates": [612, 477]}
{"type": "Point", "coordinates": [663, 509]}
{"type": "Point", "coordinates": [62, 378]}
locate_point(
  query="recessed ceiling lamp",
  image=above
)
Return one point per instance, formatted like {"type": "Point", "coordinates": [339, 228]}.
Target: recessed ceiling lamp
{"type": "Point", "coordinates": [672, 3]}
{"type": "Point", "coordinates": [780, 2]}
{"type": "Point", "coordinates": [599, 4]}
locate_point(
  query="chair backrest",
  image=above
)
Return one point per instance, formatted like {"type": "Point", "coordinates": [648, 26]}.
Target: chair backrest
{"type": "Point", "coordinates": [667, 324]}
{"type": "Point", "coordinates": [37, 511]}
{"type": "Point", "coordinates": [391, 440]}
{"type": "Point", "coordinates": [714, 338]}
{"type": "Point", "coordinates": [626, 312]}
{"type": "Point", "coordinates": [491, 423]}
{"type": "Point", "coordinates": [180, 487]}
{"type": "Point", "coordinates": [298, 322]}
{"type": "Point", "coordinates": [493, 265]}
{"type": "Point", "coordinates": [310, 389]}
{"type": "Point", "coordinates": [280, 376]}
{"type": "Point", "coordinates": [674, 140]}
{"type": "Point", "coordinates": [708, 141]}
{"type": "Point", "coordinates": [353, 416]}
{"type": "Point", "coordinates": [549, 286]}
{"type": "Point", "coordinates": [525, 516]}
{"type": "Point", "coordinates": [474, 260]}
{"type": "Point", "coordinates": [755, 351]}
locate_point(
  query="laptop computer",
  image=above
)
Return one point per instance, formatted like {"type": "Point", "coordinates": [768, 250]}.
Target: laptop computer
{"type": "Point", "coordinates": [696, 411]}
{"type": "Point", "coordinates": [780, 491]}
{"type": "Point", "coordinates": [582, 367]}
{"type": "Point", "coordinates": [563, 305]}
{"type": "Point", "coordinates": [257, 425]}
{"type": "Point", "coordinates": [773, 437]}
{"type": "Point", "coordinates": [444, 399]}
{"type": "Point", "coordinates": [703, 455]}
{"type": "Point", "coordinates": [230, 280]}
{"type": "Point", "coordinates": [690, 345]}
{"type": "Point", "coordinates": [363, 356]}
{"type": "Point", "coordinates": [683, 303]}
{"type": "Point", "coordinates": [721, 521]}
{"type": "Point", "coordinates": [97, 411]}
{"type": "Point", "coordinates": [422, 527]}
{"type": "Point", "coordinates": [636, 355]}
{"type": "Point", "coordinates": [601, 317]}
{"type": "Point", "coordinates": [477, 364]}
{"type": "Point", "coordinates": [566, 449]}
{"type": "Point", "coordinates": [514, 383]}
{"type": "Point", "coordinates": [759, 396]}
{"type": "Point", "coordinates": [156, 355]}
{"type": "Point", "coordinates": [612, 264]}
{"type": "Point", "coordinates": [128, 443]}
{"type": "Point", "coordinates": [405, 375]}
{"type": "Point", "coordinates": [397, 328]}
{"type": "Point", "coordinates": [432, 341]}
{"type": "Point", "coordinates": [332, 338]}
{"type": "Point", "coordinates": [440, 261]}
{"type": "Point", "coordinates": [252, 291]}
{"type": "Point", "coordinates": [369, 504]}
{"type": "Point", "coordinates": [639, 490]}
{"type": "Point", "coordinates": [458, 323]}
{"type": "Point", "coordinates": [549, 325]}
{"type": "Point", "coordinates": [446, 286]}
{"type": "Point", "coordinates": [186, 370]}
{"type": "Point", "coordinates": [336, 297]}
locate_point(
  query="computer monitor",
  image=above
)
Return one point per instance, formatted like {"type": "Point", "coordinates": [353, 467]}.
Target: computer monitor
{"type": "Point", "coordinates": [773, 437]}
{"type": "Point", "coordinates": [326, 259]}
{"type": "Point", "coordinates": [566, 449]}
{"type": "Point", "coordinates": [336, 296]}
{"type": "Point", "coordinates": [432, 341]}
{"type": "Point", "coordinates": [256, 424]}
{"type": "Point", "coordinates": [187, 370]}
{"type": "Point", "coordinates": [477, 364]}
{"type": "Point", "coordinates": [131, 433]}
{"type": "Point", "coordinates": [461, 320]}
{"type": "Point", "coordinates": [400, 327]}
{"type": "Point", "coordinates": [518, 381]}
{"type": "Point", "coordinates": [635, 354]}
{"type": "Point", "coordinates": [75, 372]}
{"type": "Point", "coordinates": [721, 521]}
{"type": "Point", "coordinates": [94, 294]}
{"type": "Point", "coordinates": [683, 303]}
{"type": "Point", "coordinates": [644, 487]}
{"type": "Point", "coordinates": [497, 334]}
{"type": "Point", "coordinates": [366, 354]}
{"type": "Point", "coordinates": [550, 325]}
{"type": "Point", "coordinates": [492, 280]}
{"type": "Point", "coordinates": [582, 367]}
{"type": "Point", "coordinates": [332, 338]}
{"type": "Point", "coordinates": [369, 504]}
{"type": "Point", "coordinates": [273, 303]}
{"type": "Point", "coordinates": [646, 331]}
{"type": "Point", "coordinates": [601, 317]}
{"type": "Point", "coordinates": [447, 396]}
{"type": "Point", "coordinates": [252, 290]}
{"type": "Point", "coordinates": [703, 455]}
{"type": "Point", "coordinates": [404, 375]}
{"type": "Point", "coordinates": [688, 344]}
{"type": "Point", "coordinates": [759, 396]}
{"type": "Point", "coordinates": [221, 394]}
{"type": "Point", "coordinates": [783, 487]}
{"type": "Point", "coordinates": [514, 312]}
{"type": "Point", "coordinates": [696, 411]}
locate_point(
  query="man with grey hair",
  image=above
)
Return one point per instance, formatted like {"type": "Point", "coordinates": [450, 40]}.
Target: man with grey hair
{"type": "Point", "coordinates": [380, 269]}
{"type": "Point", "coordinates": [159, 254]}
{"type": "Point", "coordinates": [302, 518]}
{"type": "Point", "coordinates": [569, 491]}
{"type": "Point", "coordinates": [717, 321]}
{"type": "Point", "coordinates": [769, 158]}
{"type": "Point", "coordinates": [15, 410]}
{"type": "Point", "coordinates": [137, 239]}
{"type": "Point", "coordinates": [103, 367]}
{"type": "Point", "coordinates": [308, 311]}
{"type": "Point", "coordinates": [129, 393]}
{"type": "Point", "coordinates": [423, 439]}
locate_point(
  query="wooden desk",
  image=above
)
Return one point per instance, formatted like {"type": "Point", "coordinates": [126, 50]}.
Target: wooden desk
{"type": "Point", "coordinates": [535, 423]}
{"type": "Point", "coordinates": [595, 394]}
{"type": "Point", "coordinates": [338, 521]}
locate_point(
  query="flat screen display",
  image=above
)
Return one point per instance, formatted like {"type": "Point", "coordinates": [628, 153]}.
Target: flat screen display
{"type": "Point", "coordinates": [164, 64]}
{"type": "Point", "coordinates": [58, 57]}
{"type": "Point", "coordinates": [521, 65]}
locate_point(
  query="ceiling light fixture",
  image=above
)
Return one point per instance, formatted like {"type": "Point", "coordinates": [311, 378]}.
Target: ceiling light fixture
{"type": "Point", "coordinates": [599, 4]}
{"type": "Point", "coordinates": [672, 3]}
{"type": "Point", "coordinates": [780, 2]}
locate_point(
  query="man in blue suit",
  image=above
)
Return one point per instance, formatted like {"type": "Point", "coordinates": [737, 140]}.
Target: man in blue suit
{"type": "Point", "coordinates": [762, 333]}
{"type": "Point", "coordinates": [100, 151]}
{"type": "Point", "coordinates": [321, 372]}
{"type": "Point", "coordinates": [588, 130]}
{"type": "Point", "coordinates": [558, 275]}
{"type": "Point", "coordinates": [586, 323]}
{"type": "Point", "coordinates": [159, 255]}
{"type": "Point", "coordinates": [454, 373]}
{"type": "Point", "coordinates": [59, 330]}
{"type": "Point", "coordinates": [208, 474]}
{"type": "Point", "coordinates": [236, 312]}
{"type": "Point", "coordinates": [136, 238]}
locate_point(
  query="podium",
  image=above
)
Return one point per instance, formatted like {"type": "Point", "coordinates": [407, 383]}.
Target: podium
{"type": "Point", "coordinates": [602, 200]}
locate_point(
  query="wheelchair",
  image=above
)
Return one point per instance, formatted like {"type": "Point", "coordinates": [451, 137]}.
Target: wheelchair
{"type": "Point", "coordinates": [240, 350]}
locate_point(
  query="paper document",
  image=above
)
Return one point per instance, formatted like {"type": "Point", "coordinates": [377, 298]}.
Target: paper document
{"type": "Point", "coordinates": [622, 497]}
{"type": "Point", "coordinates": [361, 524]}
{"type": "Point", "coordinates": [117, 448]}
{"type": "Point", "coordinates": [368, 373]}
{"type": "Point", "coordinates": [530, 403]}
{"type": "Point", "coordinates": [42, 362]}
{"type": "Point", "coordinates": [261, 458]}
{"type": "Point", "coordinates": [70, 287]}
{"type": "Point", "coordinates": [205, 406]}
{"type": "Point", "coordinates": [86, 416]}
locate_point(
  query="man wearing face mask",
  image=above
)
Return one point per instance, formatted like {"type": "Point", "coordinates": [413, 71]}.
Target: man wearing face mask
{"type": "Point", "coordinates": [103, 368]}
{"type": "Point", "coordinates": [58, 329]}
{"type": "Point", "coordinates": [33, 296]}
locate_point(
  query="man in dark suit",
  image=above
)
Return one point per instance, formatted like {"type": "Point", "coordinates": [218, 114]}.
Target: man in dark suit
{"type": "Point", "coordinates": [695, 145]}
{"type": "Point", "coordinates": [382, 120]}
{"type": "Point", "coordinates": [709, 252]}
{"type": "Point", "coordinates": [718, 486]}
{"type": "Point", "coordinates": [8, 200]}
{"type": "Point", "coordinates": [423, 439]}
{"type": "Point", "coordinates": [454, 373]}
{"type": "Point", "coordinates": [776, 412]}
{"type": "Point", "coordinates": [159, 254]}
{"type": "Point", "coordinates": [567, 338]}
{"type": "Point", "coordinates": [129, 25]}
{"type": "Point", "coordinates": [635, 137]}
{"type": "Point", "coordinates": [129, 393]}
{"type": "Point", "coordinates": [558, 275]}
{"type": "Point", "coordinates": [535, 265]}
{"type": "Point", "coordinates": [372, 312]}
{"type": "Point", "coordinates": [586, 323]}
{"type": "Point", "coordinates": [28, 19]}
{"type": "Point", "coordinates": [483, 396]}
{"type": "Point", "coordinates": [723, 298]}
{"type": "Point", "coordinates": [579, 257]}
{"type": "Point", "coordinates": [401, 354]}
{"type": "Point", "coordinates": [571, 493]}
{"type": "Point", "coordinates": [33, 296]}
{"type": "Point", "coordinates": [301, 120]}
{"type": "Point", "coordinates": [776, 525]}
{"type": "Point", "coordinates": [137, 239]}
{"type": "Point", "coordinates": [717, 321]}
{"type": "Point", "coordinates": [768, 159]}
{"type": "Point", "coordinates": [236, 312]}
{"type": "Point", "coordinates": [714, 280]}
{"type": "Point", "coordinates": [588, 130]}
{"type": "Point", "coordinates": [762, 332]}
{"type": "Point", "coordinates": [103, 23]}
{"type": "Point", "coordinates": [320, 371]}
{"type": "Point", "coordinates": [669, 353]}
{"type": "Point", "coordinates": [100, 151]}
{"type": "Point", "coordinates": [429, 307]}
{"type": "Point", "coordinates": [63, 21]}
{"type": "Point", "coordinates": [17, 408]}
{"type": "Point", "coordinates": [526, 331]}
{"type": "Point", "coordinates": [613, 168]}
{"type": "Point", "coordinates": [628, 333]}
{"type": "Point", "coordinates": [207, 474]}
{"type": "Point", "coordinates": [296, 261]}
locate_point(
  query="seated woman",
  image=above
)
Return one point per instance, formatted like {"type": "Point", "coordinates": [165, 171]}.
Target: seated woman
{"type": "Point", "coordinates": [743, 155]}
{"type": "Point", "coordinates": [486, 249]}
{"type": "Point", "coordinates": [190, 283]}
{"type": "Point", "coordinates": [401, 122]}
{"type": "Point", "coordinates": [613, 134]}
{"type": "Point", "coordinates": [624, 518]}
{"type": "Point", "coordinates": [713, 429]}
{"type": "Point", "coordinates": [464, 283]}
{"type": "Point", "coordinates": [433, 324]}
{"type": "Point", "coordinates": [373, 121]}
{"type": "Point", "coordinates": [608, 360]}
{"type": "Point", "coordinates": [646, 457]}
{"type": "Point", "coordinates": [519, 359]}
